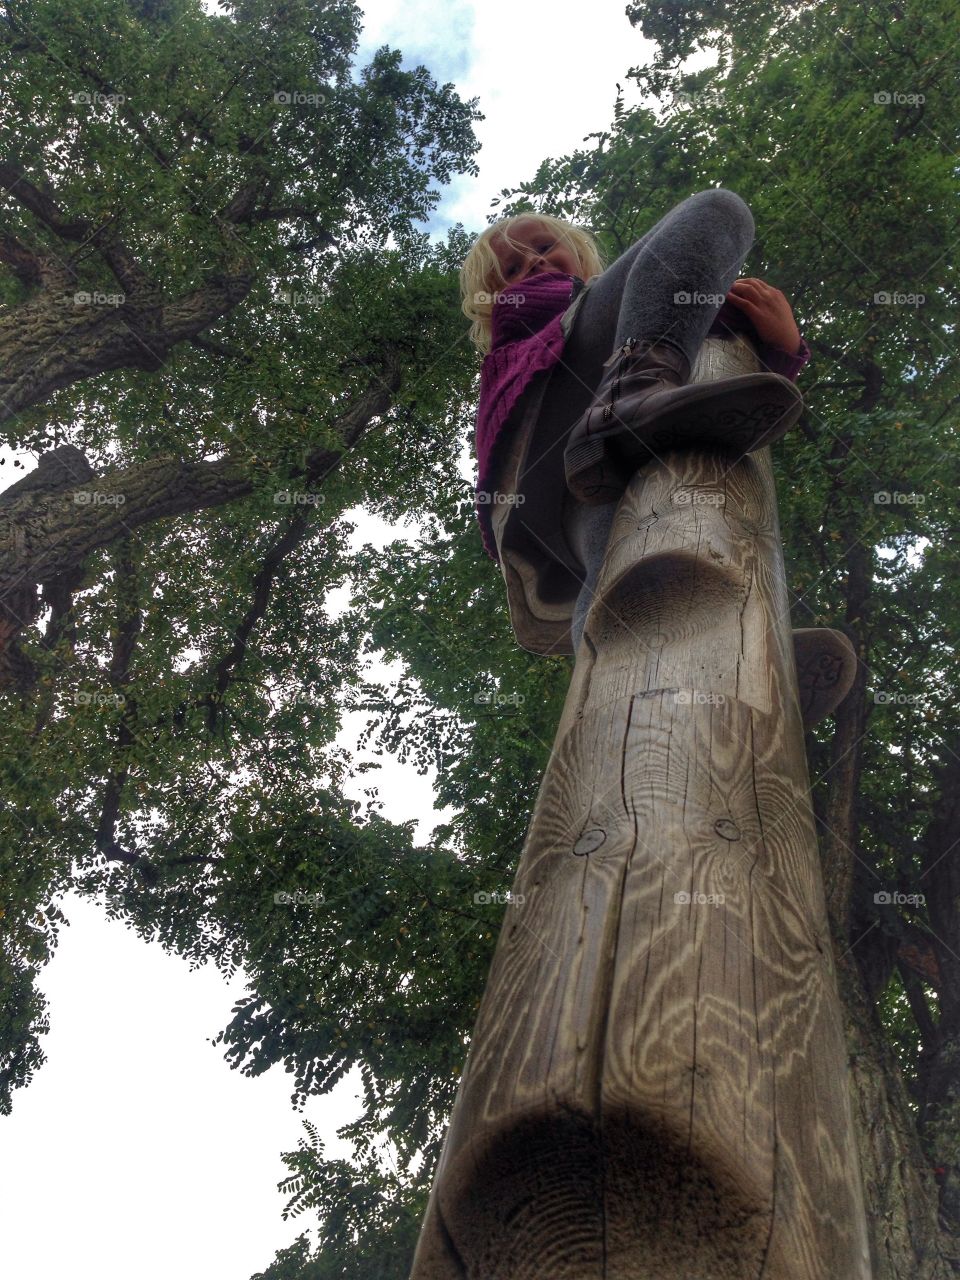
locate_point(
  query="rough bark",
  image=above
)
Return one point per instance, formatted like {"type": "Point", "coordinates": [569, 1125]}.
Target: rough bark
{"type": "Point", "coordinates": [939, 1083]}
{"type": "Point", "coordinates": [45, 534]}
{"type": "Point", "coordinates": [899, 1187]}
{"type": "Point", "coordinates": [67, 329]}
{"type": "Point", "coordinates": [53, 340]}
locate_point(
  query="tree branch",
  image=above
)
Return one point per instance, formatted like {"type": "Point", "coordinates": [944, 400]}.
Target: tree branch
{"type": "Point", "coordinates": [46, 345]}
{"type": "Point", "coordinates": [318, 465]}
{"type": "Point", "coordinates": [241, 207]}
{"type": "Point", "coordinates": [48, 534]}
{"type": "Point", "coordinates": [22, 261]}
{"type": "Point", "coordinates": [129, 626]}
{"type": "Point", "coordinates": [291, 538]}
{"type": "Point", "coordinates": [940, 859]}
{"type": "Point", "coordinates": [867, 369]}
{"type": "Point", "coordinates": [214, 348]}
{"type": "Point", "coordinates": [40, 204]}
{"type": "Point", "coordinates": [44, 535]}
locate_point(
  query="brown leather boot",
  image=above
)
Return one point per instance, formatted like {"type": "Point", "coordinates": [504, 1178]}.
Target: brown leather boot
{"type": "Point", "coordinates": [645, 405]}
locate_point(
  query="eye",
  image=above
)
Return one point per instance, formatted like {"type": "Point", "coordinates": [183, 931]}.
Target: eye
{"type": "Point", "coordinates": [548, 245]}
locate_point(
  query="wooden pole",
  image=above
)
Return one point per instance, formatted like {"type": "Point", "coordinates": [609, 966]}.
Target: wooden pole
{"type": "Point", "coordinates": [657, 1084]}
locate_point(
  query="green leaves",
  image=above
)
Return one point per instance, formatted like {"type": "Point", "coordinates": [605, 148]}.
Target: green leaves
{"type": "Point", "coordinates": [161, 148]}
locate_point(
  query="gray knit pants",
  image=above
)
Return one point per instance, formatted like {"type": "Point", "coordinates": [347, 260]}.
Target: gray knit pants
{"type": "Point", "coordinates": [696, 252]}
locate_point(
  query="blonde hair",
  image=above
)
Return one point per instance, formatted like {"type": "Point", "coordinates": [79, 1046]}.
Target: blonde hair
{"type": "Point", "coordinates": [481, 277]}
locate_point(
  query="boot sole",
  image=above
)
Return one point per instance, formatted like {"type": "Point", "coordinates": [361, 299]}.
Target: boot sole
{"type": "Point", "coordinates": [745, 414]}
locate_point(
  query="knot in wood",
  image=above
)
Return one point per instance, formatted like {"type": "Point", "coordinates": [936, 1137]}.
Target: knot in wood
{"type": "Point", "coordinates": [727, 829]}
{"type": "Point", "coordinates": [588, 841]}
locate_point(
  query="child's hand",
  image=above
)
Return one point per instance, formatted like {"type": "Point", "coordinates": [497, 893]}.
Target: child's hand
{"type": "Point", "coordinates": [768, 311]}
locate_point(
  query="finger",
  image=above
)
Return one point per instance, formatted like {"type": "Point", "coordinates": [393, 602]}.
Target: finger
{"type": "Point", "coordinates": [768, 301]}
{"type": "Point", "coordinates": [750, 286]}
{"type": "Point", "coordinates": [744, 302]}
{"type": "Point", "coordinates": [764, 290]}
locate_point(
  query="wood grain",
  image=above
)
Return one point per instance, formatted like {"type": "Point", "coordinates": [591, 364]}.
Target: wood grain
{"type": "Point", "coordinates": [657, 1083]}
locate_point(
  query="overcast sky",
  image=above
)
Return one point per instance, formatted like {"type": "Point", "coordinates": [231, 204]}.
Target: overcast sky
{"type": "Point", "coordinates": [136, 1151]}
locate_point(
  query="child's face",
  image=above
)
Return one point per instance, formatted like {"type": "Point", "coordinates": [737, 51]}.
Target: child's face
{"type": "Point", "coordinates": [540, 251]}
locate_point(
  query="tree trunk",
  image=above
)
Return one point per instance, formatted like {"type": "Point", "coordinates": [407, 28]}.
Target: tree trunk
{"type": "Point", "coordinates": [899, 1191]}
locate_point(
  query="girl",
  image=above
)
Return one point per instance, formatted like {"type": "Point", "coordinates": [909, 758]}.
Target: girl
{"type": "Point", "coordinates": [547, 316]}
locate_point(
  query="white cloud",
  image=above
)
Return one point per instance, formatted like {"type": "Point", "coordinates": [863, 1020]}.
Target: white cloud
{"type": "Point", "coordinates": [546, 77]}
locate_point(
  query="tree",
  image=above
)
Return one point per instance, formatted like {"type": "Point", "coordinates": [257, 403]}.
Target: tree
{"type": "Point", "coordinates": [220, 329]}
